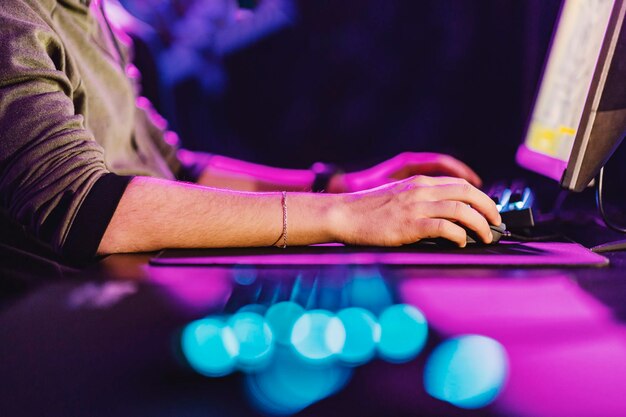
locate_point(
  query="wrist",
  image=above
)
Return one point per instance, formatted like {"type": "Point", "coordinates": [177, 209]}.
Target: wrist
{"type": "Point", "coordinates": [313, 218]}
{"type": "Point", "coordinates": [334, 212]}
{"type": "Point", "coordinates": [337, 217]}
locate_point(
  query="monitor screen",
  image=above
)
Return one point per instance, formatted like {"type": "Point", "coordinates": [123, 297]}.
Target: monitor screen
{"type": "Point", "coordinates": [571, 75]}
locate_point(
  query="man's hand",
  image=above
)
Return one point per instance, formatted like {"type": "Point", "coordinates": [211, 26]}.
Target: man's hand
{"type": "Point", "coordinates": [400, 167]}
{"type": "Point", "coordinates": [416, 208]}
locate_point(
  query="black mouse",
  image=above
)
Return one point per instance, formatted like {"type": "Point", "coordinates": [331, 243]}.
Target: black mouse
{"type": "Point", "coordinates": [496, 231]}
{"type": "Point", "coordinates": [472, 238]}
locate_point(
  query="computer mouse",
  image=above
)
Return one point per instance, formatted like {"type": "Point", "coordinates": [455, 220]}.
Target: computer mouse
{"type": "Point", "coordinates": [472, 238]}
{"type": "Point", "coordinates": [496, 231]}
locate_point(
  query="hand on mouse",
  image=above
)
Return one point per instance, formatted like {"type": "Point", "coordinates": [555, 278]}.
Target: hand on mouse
{"type": "Point", "coordinates": [403, 166]}
{"type": "Point", "coordinates": [416, 208]}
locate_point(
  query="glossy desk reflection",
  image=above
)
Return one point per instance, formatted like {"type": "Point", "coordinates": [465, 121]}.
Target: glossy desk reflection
{"type": "Point", "coordinates": [319, 341]}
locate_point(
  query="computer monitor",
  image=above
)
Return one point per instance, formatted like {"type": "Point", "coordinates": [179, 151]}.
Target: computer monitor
{"type": "Point", "coordinates": [579, 115]}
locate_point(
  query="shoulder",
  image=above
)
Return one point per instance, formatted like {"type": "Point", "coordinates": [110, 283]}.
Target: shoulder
{"type": "Point", "coordinates": [43, 8]}
{"type": "Point", "coordinates": [19, 7]}
{"type": "Point", "coordinates": [27, 38]}
{"type": "Point", "coordinates": [31, 11]}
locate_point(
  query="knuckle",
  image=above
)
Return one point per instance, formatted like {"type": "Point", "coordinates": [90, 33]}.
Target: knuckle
{"type": "Point", "coordinates": [454, 180]}
{"type": "Point", "coordinates": [420, 180]}
{"type": "Point", "coordinates": [419, 194]}
{"type": "Point", "coordinates": [457, 209]}
{"type": "Point", "coordinates": [439, 227]}
{"type": "Point", "coordinates": [466, 188]}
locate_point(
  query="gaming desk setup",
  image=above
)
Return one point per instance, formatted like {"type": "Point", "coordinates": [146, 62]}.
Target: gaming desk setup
{"type": "Point", "coordinates": [531, 325]}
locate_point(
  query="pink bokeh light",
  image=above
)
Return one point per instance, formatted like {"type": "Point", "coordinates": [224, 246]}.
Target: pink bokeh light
{"type": "Point", "coordinates": [198, 289]}
{"type": "Point", "coordinates": [567, 352]}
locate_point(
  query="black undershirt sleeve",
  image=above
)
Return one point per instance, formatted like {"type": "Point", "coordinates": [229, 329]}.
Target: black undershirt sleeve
{"type": "Point", "coordinates": [93, 217]}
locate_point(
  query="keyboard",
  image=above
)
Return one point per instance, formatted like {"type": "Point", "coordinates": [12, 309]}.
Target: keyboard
{"type": "Point", "coordinates": [514, 201]}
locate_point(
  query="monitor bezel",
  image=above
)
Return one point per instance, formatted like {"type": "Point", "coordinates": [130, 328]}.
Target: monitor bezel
{"type": "Point", "coordinates": [574, 178]}
{"type": "Point", "coordinates": [568, 172]}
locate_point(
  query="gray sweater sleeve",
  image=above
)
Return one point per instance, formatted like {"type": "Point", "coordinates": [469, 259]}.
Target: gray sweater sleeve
{"type": "Point", "coordinates": [53, 179]}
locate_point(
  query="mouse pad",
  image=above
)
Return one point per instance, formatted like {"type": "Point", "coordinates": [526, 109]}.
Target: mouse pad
{"type": "Point", "coordinates": [531, 254]}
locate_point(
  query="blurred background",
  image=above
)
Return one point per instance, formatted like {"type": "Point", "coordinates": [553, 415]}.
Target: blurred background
{"type": "Point", "coordinates": [291, 82]}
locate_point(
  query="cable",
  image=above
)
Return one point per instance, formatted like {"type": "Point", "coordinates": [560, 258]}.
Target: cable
{"type": "Point", "coordinates": [600, 203]}
{"type": "Point", "coordinates": [514, 237]}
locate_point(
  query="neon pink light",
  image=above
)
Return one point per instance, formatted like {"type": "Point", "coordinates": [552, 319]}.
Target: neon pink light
{"type": "Point", "coordinates": [583, 376]}
{"type": "Point", "coordinates": [199, 289]}
{"type": "Point", "coordinates": [121, 21]}
{"type": "Point", "coordinates": [567, 353]}
{"type": "Point", "coordinates": [154, 116]}
{"type": "Point", "coordinates": [498, 306]}
{"type": "Point", "coordinates": [510, 254]}
{"type": "Point", "coordinates": [540, 163]}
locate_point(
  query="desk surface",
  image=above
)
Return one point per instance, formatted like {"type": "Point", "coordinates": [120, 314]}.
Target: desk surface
{"type": "Point", "coordinates": [108, 342]}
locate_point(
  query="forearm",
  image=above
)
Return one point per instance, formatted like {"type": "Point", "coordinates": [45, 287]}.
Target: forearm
{"type": "Point", "coordinates": [234, 174]}
{"type": "Point", "coordinates": [154, 214]}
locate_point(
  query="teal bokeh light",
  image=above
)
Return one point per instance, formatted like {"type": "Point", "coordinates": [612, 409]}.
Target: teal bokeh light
{"type": "Point", "coordinates": [253, 308]}
{"type": "Point", "coordinates": [369, 290]}
{"type": "Point", "coordinates": [210, 347]}
{"type": "Point", "coordinates": [255, 338]}
{"type": "Point", "coordinates": [244, 275]}
{"type": "Point", "coordinates": [290, 383]}
{"type": "Point", "coordinates": [467, 371]}
{"type": "Point", "coordinates": [403, 333]}
{"type": "Point", "coordinates": [318, 335]}
{"type": "Point", "coordinates": [281, 318]}
{"type": "Point", "coordinates": [362, 334]}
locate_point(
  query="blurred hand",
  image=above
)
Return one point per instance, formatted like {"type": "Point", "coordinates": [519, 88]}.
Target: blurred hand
{"type": "Point", "coordinates": [416, 208]}
{"type": "Point", "coordinates": [403, 166]}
